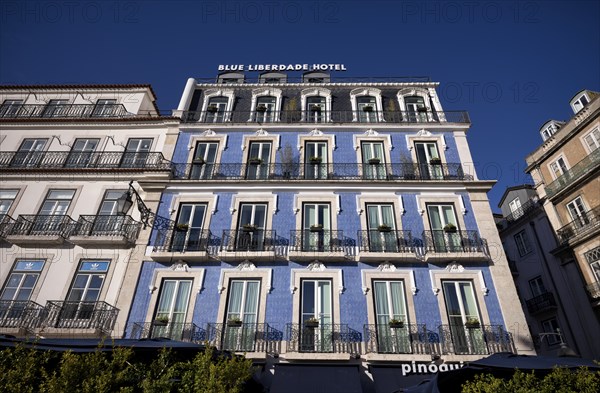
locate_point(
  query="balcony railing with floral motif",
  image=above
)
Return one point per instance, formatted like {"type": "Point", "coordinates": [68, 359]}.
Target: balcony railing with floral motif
{"type": "Point", "coordinates": [172, 330]}
{"type": "Point", "coordinates": [409, 338]}
{"type": "Point", "coordinates": [107, 225]}
{"type": "Point", "coordinates": [20, 314]}
{"type": "Point", "coordinates": [23, 111]}
{"type": "Point", "coordinates": [324, 338]}
{"type": "Point", "coordinates": [587, 222]}
{"type": "Point", "coordinates": [78, 161]}
{"type": "Point", "coordinates": [173, 237]}
{"type": "Point", "coordinates": [81, 315]}
{"type": "Point", "coordinates": [441, 241]}
{"type": "Point", "coordinates": [6, 224]}
{"type": "Point", "coordinates": [480, 340]}
{"type": "Point", "coordinates": [249, 238]}
{"type": "Point", "coordinates": [578, 171]}
{"type": "Point", "coordinates": [385, 239]}
{"type": "Point", "coordinates": [319, 172]}
{"type": "Point", "coordinates": [245, 337]}
{"type": "Point", "coordinates": [317, 240]}
{"type": "Point", "coordinates": [42, 225]}
{"type": "Point", "coordinates": [593, 290]}
{"type": "Point", "coordinates": [541, 303]}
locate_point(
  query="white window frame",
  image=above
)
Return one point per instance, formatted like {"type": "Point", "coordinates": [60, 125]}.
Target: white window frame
{"type": "Point", "coordinates": [208, 94]}
{"type": "Point", "coordinates": [537, 287]}
{"type": "Point", "coordinates": [555, 167]}
{"type": "Point", "coordinates": [523, 243]}
{"type": "Point", "coordinates": [550, 326]}
{"type": "Point", "coordinates": [273, 92]}
{"type": "Point", "coordinates": [312, 92]}
{"type": "Point", "coordinates": [594, 137]}
{"type": "Point", "coordinates": [360, 92]}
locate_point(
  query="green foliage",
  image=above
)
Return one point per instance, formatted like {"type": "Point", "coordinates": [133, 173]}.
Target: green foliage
{"type": "Point", "coordinates": [29, 370]}
{"type": "Point", "coordinates": [560, 380]}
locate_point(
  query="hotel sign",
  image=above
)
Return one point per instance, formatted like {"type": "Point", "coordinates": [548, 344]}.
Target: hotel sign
{"type": "Point", "coordinates": [282, 67]}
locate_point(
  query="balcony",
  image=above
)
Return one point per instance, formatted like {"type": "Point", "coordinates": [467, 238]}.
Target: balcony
{"type": "Point", "coordinates": [408, 339]}
{"type": "Point", "coordinates": [541, 303]}
{"type": "Point", "coordinates": [189, 332]}
{"type": "Point", "coordinates": [385, 244]}
{"type": "Point", "coordinates": [482, 340]}
{"type": "Point", "coordinates": [6, 224]}
{"type": "Point", "coordinates": [246, 242]}
{"type": "Point", "coordinates": [40, 230]}
{"type": "Point", "coordinates": [171, 238]}
{"type": "Point", "coordinates": [586, 224]}
{"type": "Point", "coordinates": [63, 111]}
{"type": "Point", "coordinates": [20, 315]}
{"type": "Point", "coordinates": [584, 167]}
{"type": "Point", "coordinates": [311, 172]}
{"type": "Point", "coordinates": [318, 243]}
{"type": "Point", "coordinates": [326, 117]}
{"type": "Point", "coordinates": [105, 230]}
{"type": "Point", "coordinates": [96, 317]}
{"type": "Point", "coordinates": [593, 291]}
{"type": "Point", "coordinates": [245, 337]}
{"type": "Point", "coordinates": [324, 338]}
{"type": "Point", "coordinates": [109, 161]}
{"type": "Point", "coordinates": [440, 245]}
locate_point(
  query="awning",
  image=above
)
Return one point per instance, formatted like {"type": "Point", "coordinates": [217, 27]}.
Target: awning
{"type": "Point", "coordinates": [301, 378]}
{"type": "Point", "coordinates": [389, 379]}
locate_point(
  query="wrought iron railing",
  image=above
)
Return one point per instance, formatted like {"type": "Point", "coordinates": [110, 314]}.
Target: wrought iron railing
{"type": "Point", "coordinates": [63, 111]}
{"type": "Point", "coordinates": [593, 290]}
{"type": "Point", "coordinates": [385, 240]}
{"type": "Point", "coordinates": [6, 224]}
{"type": "Point", "coordinates": [585, 223]}
{"type": "Point", "coordinates": [480, 340]}
{"type": "Point", "coordinates": [409, 338]}
{"type": "Point", "coordinates": [109, 160]}
{"type": "Point", "coordinates": [541, 303]}
{"type": "Point", "coordinates": [189, 332]}
{"type": "Point", "coordinates": [579, 170]}
{"type": "Point", "coordinates": [319, 172]}
{"type": "Point", "coordinates": [248, 239]}
{"type": "Point", "coordinates": [42, 225]}
{"type": "Point", "coordinates": [107, 225]}
{"type": "Point", "coordinates": [245, 337]}
{"type": "Point", "coordinates": [20, 314]}
{"type": "Point", "coordinates": [325, 117]}
{"type": "Point", "coordinates": [81, 315]}
{"type": "Point", "coordinates": [329, 79]}
{"type": "Point", "coordinates": [173, 237]}
{"type": "Point", "coordinates": [522, 211]}
{"type": "Point", "coordinates": [324, 338]}
{"type": "Point", "coordinates": [457, 241]}
{"type": "Point", "coordinates": [317, 240]}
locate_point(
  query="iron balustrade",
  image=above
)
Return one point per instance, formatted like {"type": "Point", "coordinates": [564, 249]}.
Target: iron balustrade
{"type": "Point", "coordinates": [6, 224]}
{"type": "Point", "coordinates": [249, 239]}
{"type": "Point", "coordinates": [522, 211]}
{"type": "Point", "coordinates": [585, 223]}
{"type": "Point", "coordinates": [325, 117]}
{"type": "Point", "coordinates": [173, 237]}
{"type": "Point", "coordinates": [385, 240]}
{"type": "Point", "coordinates": [410, 338]}
{"type": "Point", "coordinates": [81, 315]}
{"type": "Point", "coordinates": [329, 79]}
{"type": "Point", "coordinates": [481, 340]}
{"type": "Point", "coordinates": [99, 160]}
{"type": "Point", "coordinates": [541, 303]}
{"type": "Point", "coordinates": [593, 290]}
{"type": "Point", "coordinates": [318, 172]}
{"type": "Point", "coordinates": [42, 225]}
{"type": "Point", "coordinates": [324, 338]}
{"type": "Point", "coordinates": [244, 337]}
{"type": "Point", "coordinates": [23, 314]}
{"type": "Point", "coordinates": [438, 241]}
{"type": "Point", "coordinates": [178, 331]}
{"type": "Point", "coordinates": [107, 225]}
{"type": "Point", "coordinates": [578, 171]}
{"type": "Point", "coordinates": [12, 111]}
{"type": "Point", "coordinates": [317, 240]}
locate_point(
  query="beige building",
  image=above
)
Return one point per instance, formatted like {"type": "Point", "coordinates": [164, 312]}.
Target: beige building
{"type": "Point", "coordinates": [566, 169]}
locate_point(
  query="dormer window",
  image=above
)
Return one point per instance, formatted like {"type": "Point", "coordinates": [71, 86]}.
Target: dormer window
{"type": "Point", "coordinates": [272, 77]}
{"type": "Point", "coordinates": [366, 105]}
{"type": "Point", "coordinates": [549, 129]}
{"type": "Point", "coordinates": [316, 77]}
{"type": "Point", "coordinates": [580, 100]}
{"type": "Point", "coordinates": [230, 78]}
{"type": "Point", "coordinates": [266, 104]}
{"type": "Point", "coordinates": [415, 105]}
{"type": "Point", "coordinates": [105, 108]}
{"type": "Point", "coordinates": [217, 106]}
{"type": "Point", "coordinates": [316, 104]}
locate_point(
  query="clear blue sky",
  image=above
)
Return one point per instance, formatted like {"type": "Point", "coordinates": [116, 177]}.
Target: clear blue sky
{"type": "Point", "coordinates": [511, 64]}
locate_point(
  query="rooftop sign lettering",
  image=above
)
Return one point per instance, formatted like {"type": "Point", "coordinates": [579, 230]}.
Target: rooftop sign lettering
{"type": "Point", "coordinates": [282, 67]}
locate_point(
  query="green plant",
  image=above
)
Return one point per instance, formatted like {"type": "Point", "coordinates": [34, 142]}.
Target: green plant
{"type": "Point", "coordinates": [396, 323]}
{"type": "Point", "coordinates": [261, 108]}
{"type": "Point", "coordinates": [315, 159]}
{"type": "Point", "coordinates": [311, 322]}
{"type": "Point", "coordinates": [164, 319]}
{"type": "Point", "coordinates": [450, 228]}
{"type": "Point", "coordinates": [367, 108]}
{"type": "Point", "coordinates": [316, 228]}
{"type": "Point", "coordinates": [212, 108]}
{"type": "Point", "coordinates": [384, 228]}
{"type": "Point", "coordinates": [182, 227]}
{"type": "Point", "coordinates": [472, 322]}
{"type": "Point", "coordinates": [255, 160]}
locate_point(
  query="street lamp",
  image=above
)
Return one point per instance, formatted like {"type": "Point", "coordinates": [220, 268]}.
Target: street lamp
{"type": "Point", "coordinates": [564, 350]}
{"type": "Point", "coordinates": [125, 202]}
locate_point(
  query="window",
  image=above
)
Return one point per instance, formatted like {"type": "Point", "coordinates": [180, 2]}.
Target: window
{"type": "Point", "coordinates": [242, 305]}
{"type": "Point", "coordinates": [592, 139]}
{"type": "Point", "coordinates": [416, 111]}
{"type": "Point", "coordinates": [428, 160]}
{"type": "Point", "coordinates": [390, 303]}
{"type": "Point", "coordinates": [50, 218]}
{"type": "Point", "coordinates": [315, 104]}
{"type": "Point", "coordinates": [21, 281]}
{"type": "Point", "coordinates": [216, 109]}
{"type": "Point", "coordinates": [381, 228]}
{"type": "Point", "coordinates": [188, 234]}
{"type": "Point", "coordinates": [522, 241]}
{"type": "Point", "coordinates": [172, 307]}
{"type": "Point", "coordinates": [315, 160]}
{"type": "Point", "coordinates": [85, 290]}
{"type": "Point", "coordinates": [56, 108]}
{"type": "Point", "coordinates": [7, 197]}
{"type": "Point", "coordinates": [537, 286]}
{"type": "Point", "coordinates": [316, 108]}
{"type": "Point", "coordinates": [204, 160]}
{"type": "Point", "coordinates": [593, 258]}
{"type": "Point", "coordinates": [266, 109]}
{"type": "Point", "coordinates": [445, 235]}
{"type": "Point", "coordinates": [316, 305]}
{"type": "Point", "coordinates": [515, 208]}
{"type": "Point", "coordinates": [250, 234]}
{"type": "Point", "coordinates": [82, 153]}
{"type": "Point", "coordinates": [367, 109]}
{"type": "Point", "coordinates": [10, 108]}
{"type": "Point", "coordinates": [30, 153]}
{"type": "Point", "coordinates": [136, 153]}
{"type": "Point", "coordinates": [105, 108]}
{"type": "Point", "coordinates": [551, 326]}
{"type": "Point", "coordinates": [316, 233]}
{"type": "Point", "coordinates": [373, 160]}
{"type": "Point", "coordinates": [578, 212]}
{"type": "Point", "coordinates": [580, 103]}
{"type": "Point", "coordinates": [558, 167]}
{"type": "Point", "coordinates": [108, 221]}
{"type": "Point", "coordinates": [463, 317]}
{"type": "Point", "coordinates": [258, 161]}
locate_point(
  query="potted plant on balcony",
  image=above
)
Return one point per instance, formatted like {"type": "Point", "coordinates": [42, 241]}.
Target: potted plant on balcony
{"type": "Point", "coordinates": [315, 108]}
{"type": "Point", "coordinates": [422, 109]}
{"type": "Point", "coordinates": [472, 323]}
{"type": "Point", "coordinates": [261, 108]}
{"type": "Point", "coordinates": [234, 322]}
{"type": "Point", "coordinates": [435, 161]}
{"type": "Point", "coordinates": [182, 227]}
{"type": "Point", "coordinates": [315, 160]}
{"type": "Point", "coordinates": [450, 228]}
{"type": "Point", "coordinates": [161, 321]}
{"type": "Point", "coordinates": [255, 161]}
{"type": "Point", "coordinates": [396, 323]}
{"type": "Point", "coordinates": [384, 228]}
{"type": "Point", "coordinates": [212, 108]}
{"type": "Point", "coordinates": [367, 108]}
{"type": "Point", "coordinates": [311, 323]}
{"type": "Point", "coordinates": [249, 228]}
{"type": "Point", "coordinates": [374, 161]}
{"type": "Point", "coordinates": [316, 228]}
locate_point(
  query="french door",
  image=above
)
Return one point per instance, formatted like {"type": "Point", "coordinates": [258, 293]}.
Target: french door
{"type": "Point", "coordinates": [204, 160]}
{"type": "Point", "coordinates": [416, 110]}
{"type": "Point", "coordinates": [172, 307]}
{"type": "Point", "coordinates": [578, 213]}
{"type": "Point", "coordinates": [82, 153]}
{"type": "Point", "coordinates": [187, 234]}
{"type": "Point", "coordinates": [30, 153]}
{"type": "Point", "coordinates": [315, 160]}
{"type": "Point", "coordinates": [382, 228]}
{"type": "Point", "coordinates": [242, 306]}
{"type": "Point", "coordinates": [316, 305]}
{"type": "Point", "coordinates": [316, 234]}
{"type": "Point", "coordinates": [251, 227]}
{"type": "Point", "coordinates": [373, 160]}
{"type": "Point", "coordinates": [428, 159]}
{"type": "Point", "coordinates": [462, 310]}
{"type": "Point", "coordinates": [84, 293]}
{"type": "Point", "coordinates": [390, 304]}
{"type": "Point", "coordinates": [441, 219]}
{"type": "Point", "coordinates": [258, 161]}
{"type": "Point", "coordinates": [136, 153]}
{"type": "Point", "coordinates": [216, 110]}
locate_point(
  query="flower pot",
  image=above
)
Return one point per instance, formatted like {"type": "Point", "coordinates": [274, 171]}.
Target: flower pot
{"type": "Point", "coordinates": [315, 160]}
{"type": "Point", "coordinates": [234, 323]}
{"type": "Point", "coordinates": [182, 228]}
{"type": "Point", "coordinates": [255, 161]}
{"type": "Point", "coordinates": [423, 109]}
{"type": "Point", "coordinates": [450, 229]}
{"type": "Point", "coordinates": [472, 325]}
{"type": "Point", "coordinates": [261, 108]}
{"type": "Point", "coordinates": [315, 109]}
{"type": "Point", "coordinates": [374, 161]}
{"type": "Point", "coordinates": [249, 228]}
{"type": "Point", "coordinates": [316, 229]}
{"type": "Point", "coordinates": [384, 229]}
{"type": "Point", "coordinates": [212, 109]}
{"type": "Point", "coordinates": [311, 324]}
{"type": "Point", "coordinates": [160, 323]}
{"type": "Point", "coordinates": [435, 161]}
{"type": "Point", "coordinates": [367, 109]}
{"type": "Point", "coordinates": [396, 325]}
